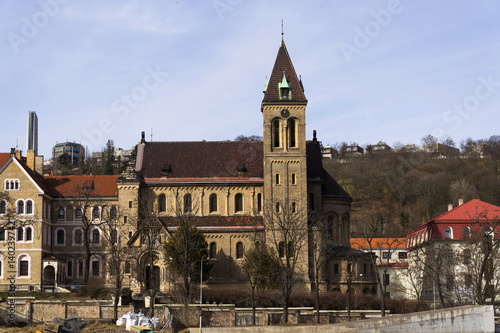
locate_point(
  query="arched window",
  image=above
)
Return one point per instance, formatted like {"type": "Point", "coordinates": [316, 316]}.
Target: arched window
{"type": "Point", "coordinates": [20, 234]}
{"type": "Point", "coordinates": [96, 236]}
{"type": "Point", "coordinates": [292, 132]}
{"type": "Point", "coordinates": [20, 207]}
{"type": "Point", "coordinates": [212, 203]}
{"type": "Point", "coordinates": [162, 203]}
{"type": "Point", "coordinates": [60, 213]}
{"type": "Point", "coordinates": [29, 207]}
{"type": "Point", "coordinates": [238, 202]}
{"type": "Point", "coordinates": [336, 269]}
{"type": "Point", "coordinates": [188, 203]}
{"type": "Point", "coordinates": [78, 213]}
{"type": "Point", "coordinates": [293, 208]}
{"type": "Point", "coordinates": [259, 202]}
{"type": "Point", "coordinates": [60, 236]}
{"type": "Point", "coordinates": [23, 265]}
{"type": "Point", "coordinates": [78, 236]}
{"type": "Point", "coordinates": [448, 233]}
{"type": "Point", "coordinates": [278, 207]}
{"type": "Point", "coordinates": [311, 201]}
{"type": "Point", "coordinates": [213, 250]}
{"type": "Point", "coordinates": [466, 232]}
{"type": "Point", "coordinates": [29, 234]}
{"type": "Point", "coordinates": [95, 213]}
{"type": "Point", "coordinates": [113, 212]}
{"type": "Point", "coordinates": [277, 179]}
{"type": "Point", "coordinates": [276, 133]}
{"type": "Point", "coordinates": [294, 179]}
{"type": "Point", "coordinates": [3, 206]}
{"type": "Point", "coordinates": [239, 250]}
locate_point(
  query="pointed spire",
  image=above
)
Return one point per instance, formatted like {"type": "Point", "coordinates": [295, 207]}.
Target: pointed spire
{"type": "Point", "coordinates": [283, 71]}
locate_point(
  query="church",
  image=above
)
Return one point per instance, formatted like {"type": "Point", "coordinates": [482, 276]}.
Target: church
{"type": "Point", "coordinates": [234, 190]}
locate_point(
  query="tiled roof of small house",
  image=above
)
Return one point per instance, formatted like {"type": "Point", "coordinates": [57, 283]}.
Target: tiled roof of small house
{"type": "Point", "coordinates": [378, 243]}
{"type": "Point", "coordinates": [72, 186]}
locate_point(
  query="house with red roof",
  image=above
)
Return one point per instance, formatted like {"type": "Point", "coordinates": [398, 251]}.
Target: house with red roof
{"type": "Point", "coordinates": [454, 258]}
{"type": "Point", "coordinates": [389, 261]}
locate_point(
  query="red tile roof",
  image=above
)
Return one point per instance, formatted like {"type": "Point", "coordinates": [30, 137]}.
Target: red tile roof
{"type": "Point", "coordinates": [283, 64]}
{"type": "Point", "coordinates": [378, 243]}
{"type": "Point", "coordinates": [72, 186]}
{"type": "Point", "coordinates": [473, 210]}
{"type": "Point", "coordinates": [4, 157]}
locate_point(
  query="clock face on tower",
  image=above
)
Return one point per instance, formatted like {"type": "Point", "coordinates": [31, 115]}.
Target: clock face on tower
{"type": "Point", "coordinates": [285, 113]}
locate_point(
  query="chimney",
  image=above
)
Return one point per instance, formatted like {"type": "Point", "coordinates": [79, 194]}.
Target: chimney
{"type": "Point", "coordinates": [31, 159]}
{"type": "Point", "coordinates": [143, 137]}
{"type": "Point", "coordinates": [450, 207]}
{"type": "Point", "coordinates": [460, 201]}
{"type": "Point", "coordinates": [19, 154]}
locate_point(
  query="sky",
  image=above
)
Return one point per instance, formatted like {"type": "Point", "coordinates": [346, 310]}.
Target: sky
{"type": "Point", "coordinates": [391, 70]}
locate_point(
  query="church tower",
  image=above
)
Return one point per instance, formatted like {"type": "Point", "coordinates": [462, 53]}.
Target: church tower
{"type": "Point", "coordinates": [284, 115]}
{"type": "Point", "coordinates": [285, 159]}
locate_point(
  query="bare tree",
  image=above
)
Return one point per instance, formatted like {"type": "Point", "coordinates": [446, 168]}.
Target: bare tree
{"type": "Point", "coordinates": [186, 250]}
{"type": "Point", "coordinates": [381, 263]}
{"type": "Point", "coordinates": [287, 233]}
{"type": "Point", "coordinates": [114, 233]}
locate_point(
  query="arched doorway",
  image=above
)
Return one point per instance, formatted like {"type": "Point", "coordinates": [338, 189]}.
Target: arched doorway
{"type": "Point", "coordinates": [49, 276]}
{"type": "Point", "coordinates": [151, 272]}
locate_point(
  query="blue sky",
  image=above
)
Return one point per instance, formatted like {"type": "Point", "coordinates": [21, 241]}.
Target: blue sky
{"type": "Point", "coordinates": [185, 70]}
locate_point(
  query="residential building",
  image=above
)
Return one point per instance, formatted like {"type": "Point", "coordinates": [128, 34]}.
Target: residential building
{"type": "Point", "coordinates": [72, 154]}
{"type": "Point", "coordinates": [454, 258]}
{"type": "Point", "coordinates": [390, 259]}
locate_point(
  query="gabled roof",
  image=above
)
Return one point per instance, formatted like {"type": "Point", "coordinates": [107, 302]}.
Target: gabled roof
{"type": "Point", "coordinates": [35, 177]}
{"type": "Point", "coordinates": [202, 159]}
{"type": "Point", "coordinates": [283, 66]}
{"type": "Point", "coordinates": [378, 243]}
{"type": "Point", "coordinates": [72, 186]}
{"type": "Point", "coordinates": [473, 210]}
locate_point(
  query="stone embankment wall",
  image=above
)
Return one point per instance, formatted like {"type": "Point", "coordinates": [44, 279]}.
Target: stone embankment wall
{"type": "Point", "coordinates": [465, 319]}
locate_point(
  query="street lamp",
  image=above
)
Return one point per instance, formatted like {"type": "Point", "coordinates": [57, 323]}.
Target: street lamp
{"type": "Point", "coordinates": [201, 289]}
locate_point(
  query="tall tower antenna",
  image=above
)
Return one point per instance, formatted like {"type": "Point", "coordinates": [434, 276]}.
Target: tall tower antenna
{"type": "Point", "coordinates": [151, 134]}
{"type": "Point", "coordinates": [282, 33]}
